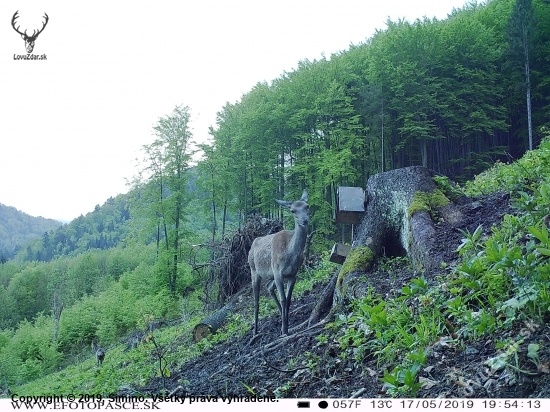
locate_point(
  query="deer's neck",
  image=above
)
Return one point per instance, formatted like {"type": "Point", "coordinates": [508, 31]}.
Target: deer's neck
{"type": "Point", "coordinates": [299, 236]}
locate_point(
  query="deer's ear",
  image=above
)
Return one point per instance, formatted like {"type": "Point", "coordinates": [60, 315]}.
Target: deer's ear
{"type": "Point", "coordinates": [304, 196]}
{"type": "Point", "coordinates": [284, 203]}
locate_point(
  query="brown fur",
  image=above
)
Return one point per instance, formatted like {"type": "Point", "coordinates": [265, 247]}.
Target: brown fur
{"type": "Point", "coordinates": [277, 258]}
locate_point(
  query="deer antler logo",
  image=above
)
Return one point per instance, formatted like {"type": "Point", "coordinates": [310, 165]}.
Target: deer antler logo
{"type": "Point", "coordinates": [29, 40]}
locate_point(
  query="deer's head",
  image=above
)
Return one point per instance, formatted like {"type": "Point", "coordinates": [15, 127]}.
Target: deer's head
{"type": "Point", "coordinates": [29, 40]}
{"type": "Point", "coordinates": [299, 209]}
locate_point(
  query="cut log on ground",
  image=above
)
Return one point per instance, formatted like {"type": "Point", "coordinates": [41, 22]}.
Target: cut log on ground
{"type": "Point", "coordinates": [212, 323]}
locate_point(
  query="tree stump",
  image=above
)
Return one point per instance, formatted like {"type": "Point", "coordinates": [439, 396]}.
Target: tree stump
{"type": "Point", "coordinates": [397, 222]}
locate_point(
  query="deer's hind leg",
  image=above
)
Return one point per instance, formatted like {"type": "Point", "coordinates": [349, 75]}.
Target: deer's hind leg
{"type": "Point", "coordinates": [271, 289]}
{"type": "Point", "coordinates": [256, 284]}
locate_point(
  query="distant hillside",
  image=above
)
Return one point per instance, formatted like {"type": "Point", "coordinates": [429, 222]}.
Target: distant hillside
{"type": "Point", "coordinates": [102, 228]}
{"type": "Point", "coordinates": [18, 228]}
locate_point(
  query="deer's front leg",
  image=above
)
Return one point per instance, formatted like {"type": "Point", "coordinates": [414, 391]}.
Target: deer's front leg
{"type": "Point", "coordinates": [291, 283]}
{"type": "Point", "coordinates": [279, 282]}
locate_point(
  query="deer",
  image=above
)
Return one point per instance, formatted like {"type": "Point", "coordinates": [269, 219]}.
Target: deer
{"type": "Point", "coordinates": [99, 353]}
{"type": "Point", "coordinates": [29, 40]}
{"type": "Point", "coordinates": [276, 258]}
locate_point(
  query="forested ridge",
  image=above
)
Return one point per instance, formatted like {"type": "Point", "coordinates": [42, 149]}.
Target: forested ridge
{"type": "Point", "coordinates": [456, 96]}
{"type": "Point", "coordinates": [448, 95]}
{"type": "Point", "coordinates": [103, 228]}
{"type": "Point", "coordinates": [18, 228]}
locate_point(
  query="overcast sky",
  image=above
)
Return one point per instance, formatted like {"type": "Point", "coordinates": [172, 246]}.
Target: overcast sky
{"type": "Point", "coordinates": [72, 125]}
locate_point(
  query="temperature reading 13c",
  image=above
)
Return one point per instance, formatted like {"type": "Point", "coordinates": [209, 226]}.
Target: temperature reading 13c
{"type": "Point", "coordinates": [381, 404]}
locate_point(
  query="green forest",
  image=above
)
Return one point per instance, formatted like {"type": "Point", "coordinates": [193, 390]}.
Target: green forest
{"type": "Point", "coordinates": [18, 228]}
{"type": "Point", "coordinates": [457, 96]}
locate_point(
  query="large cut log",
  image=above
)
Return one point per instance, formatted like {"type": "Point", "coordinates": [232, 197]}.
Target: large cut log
{"type": "Point", "coordinates": [212, 323]}
{"type": "Point", "coordinates": [397, 222]}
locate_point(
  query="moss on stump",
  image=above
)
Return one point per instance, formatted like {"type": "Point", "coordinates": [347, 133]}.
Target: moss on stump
{"type": "Point", "coordinates": [427, 201]}
{"type": "Point", "coordinates": [359, 259]}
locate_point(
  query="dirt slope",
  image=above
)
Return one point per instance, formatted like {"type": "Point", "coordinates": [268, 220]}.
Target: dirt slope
{"type": "Point", "coordinates": [300, 367]}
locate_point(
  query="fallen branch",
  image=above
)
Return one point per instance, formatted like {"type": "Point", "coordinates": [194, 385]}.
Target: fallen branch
{"type": "Point", "coordinates": [281, 370]}
{"type": "Point", "coordinates": [284, 340]}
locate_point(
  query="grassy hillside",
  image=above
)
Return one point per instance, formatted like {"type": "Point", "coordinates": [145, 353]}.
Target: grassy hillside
{"type": "Point", "coordinates": [101, 273]}
{"type": "Point", "coordinates": [422, 337]}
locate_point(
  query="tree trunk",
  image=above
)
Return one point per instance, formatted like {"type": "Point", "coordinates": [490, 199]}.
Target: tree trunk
{"type": "Point", "coordinates": [382, 138]}
{"type": "Point", "coordinates": [224, 217]}
{"type": "Point", "coordinates": [176, 235]}
{"type": "Point", "coordinates": [528, 97]}
{"type": "Point", "coordinates": [57, 309]}
{"type": "Point", "coordinates": [397, 222]}
{"type": "Point", "coordinates": [424, 152]}
{"type": "Point", "coordinates": [307, 247]}
{"type": "Point", "coordinates": [215, 222]}
{"type": "Point", "coordinates": [158, 238]}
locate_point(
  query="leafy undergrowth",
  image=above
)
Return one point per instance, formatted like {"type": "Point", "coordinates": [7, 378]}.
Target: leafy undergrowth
{"type": "Point", "coordinates": [495, 300]}
{"type": "Point", "coordinates": [160, 352]}
{"type": "Point", "coordinates": [478, 327]}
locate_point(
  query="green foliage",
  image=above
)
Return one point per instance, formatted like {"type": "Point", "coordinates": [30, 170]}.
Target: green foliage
{"type": "Point", "coordinates": [111, 314]}
{"type": "Point", "coordinates": [162, 188]}
{"type": "Point", "coordinates": [502, 278]}
{"type": "Point", "coordinates": [509, 358]}
{"type": "Point", "coordinates": [527, 172]}
{"type": "Point", "coordinates": [471, 242]}
{"type": "Point", "coordinates": [104, 228]}
{"type": "Point", "coordinates": [29, 353]}
{"type": "Point", "coordinates": [30, 287]}
{"type": "Point", "coordinates": [28, 293]}
{"type": "Point", "coordinates": [79, 324]}
{"type": "Point", "coordinates": [308, 277]}
{"type": "Point", "coordinates": [429, 92]}
{"type": "Point", "coordinates": [520, 35]}
{"type": "Point", "coordinates": [396, 332]}
{"type": "Point", "coordinates": [393, 264]}
{"type": "Point", "coordinates": [389, 328]}
{"type": "Point", "coordinates": [417, 286]}
{"type": "Point", "coordinates": [449, 189]}
{"type": "Point", "coordinates": [401, 381]}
